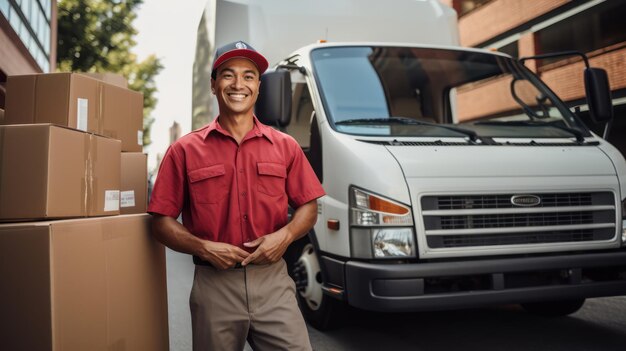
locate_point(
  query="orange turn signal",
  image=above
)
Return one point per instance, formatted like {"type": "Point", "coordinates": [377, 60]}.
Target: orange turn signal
{"type": "Point", "coordinates": [378, 204]}
{"type": "Point", "coordinates": [333, 224]}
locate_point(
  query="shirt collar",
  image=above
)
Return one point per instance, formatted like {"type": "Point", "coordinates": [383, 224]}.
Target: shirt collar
{"type": "Point", "coordinates": [259, 129]}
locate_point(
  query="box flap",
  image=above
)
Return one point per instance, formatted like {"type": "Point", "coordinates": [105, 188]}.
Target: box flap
{"type": "Point", "coordinates": [20, 100]}
{"type": "Point", "coordinates": [52, 92]}
{"type": "Point", "coordinates": [23, 170]}
{"type": "Point", "coordinates": [105, 158]}
{"type": "Point", "coordinates": [25, 287]}
{"type": "Point", "coordinates": [79, 283]}
{"type": "Point", "coordinates": [67, 176]}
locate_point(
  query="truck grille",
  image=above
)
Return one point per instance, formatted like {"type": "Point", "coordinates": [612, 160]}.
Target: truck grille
{"type": "Point", "coordinates": [489, 220]}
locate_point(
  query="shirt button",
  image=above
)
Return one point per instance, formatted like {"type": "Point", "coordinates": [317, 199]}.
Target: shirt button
{"type": "Point", "coordinates": [245, 217]}
{"type": "Point", "coordinates": [240, 170]}
{"type": "Point", "coordinates": [243, 193]}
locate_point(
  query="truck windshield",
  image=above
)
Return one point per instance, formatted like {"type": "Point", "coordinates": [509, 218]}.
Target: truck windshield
{"type": "Point", "coordinates": [404, 91]}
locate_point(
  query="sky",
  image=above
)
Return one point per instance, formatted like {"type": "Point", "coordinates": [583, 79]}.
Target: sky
{"type": "Point", "coordinates": [168, 30]}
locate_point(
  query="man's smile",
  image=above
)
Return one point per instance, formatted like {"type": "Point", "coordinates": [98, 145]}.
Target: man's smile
{"type": "Point", "coordinates": [237, 96]}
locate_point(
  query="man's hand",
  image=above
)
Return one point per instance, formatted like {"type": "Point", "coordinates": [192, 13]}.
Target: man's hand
{"type": "Point", "coordinates": [269, 248]}
{"type": "Point", "coordinates": [222, 255]}
{"type": "Point", "coordinates": [175, 236]}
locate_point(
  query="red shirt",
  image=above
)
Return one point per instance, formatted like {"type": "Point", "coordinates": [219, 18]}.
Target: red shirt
{"type": "Point", "coordinates": [233, 193]}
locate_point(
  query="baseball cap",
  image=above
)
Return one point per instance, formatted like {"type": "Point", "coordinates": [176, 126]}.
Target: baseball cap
{"type": "Point", "coordinates": [238, 49]}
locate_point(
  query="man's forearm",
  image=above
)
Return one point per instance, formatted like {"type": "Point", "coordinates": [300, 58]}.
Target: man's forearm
{"type": "Point", "coordinates": [302, 220]}
{"type": "Point", "coordinates": [174, 235]}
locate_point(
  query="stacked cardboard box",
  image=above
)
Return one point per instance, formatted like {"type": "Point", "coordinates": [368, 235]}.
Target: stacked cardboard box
{"type": "Point", "coordinates": [82, 284]}
{"type": "Point", "coordinates": [70, 148]}
{"type": "Point", "coordinates": [54, 172]}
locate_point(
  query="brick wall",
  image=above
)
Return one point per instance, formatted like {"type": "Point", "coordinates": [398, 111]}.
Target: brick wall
{"type": "Point", "coordinates": [500, 16]}
{"type": "Point", "coordinates": [566, 81]}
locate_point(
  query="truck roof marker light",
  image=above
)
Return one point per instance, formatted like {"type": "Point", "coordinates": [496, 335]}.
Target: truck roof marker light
{"type": "Point", "coordinates": [322, 41]}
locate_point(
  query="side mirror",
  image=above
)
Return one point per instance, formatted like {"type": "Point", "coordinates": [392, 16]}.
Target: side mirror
{"type": "Point", "coordinates": [273, 106]}
{"type": "Point", "coordinates": [598, 95]}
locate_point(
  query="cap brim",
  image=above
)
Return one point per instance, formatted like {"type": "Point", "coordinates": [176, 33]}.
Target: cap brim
{"type": "Point", "coordinates": [258, 59]}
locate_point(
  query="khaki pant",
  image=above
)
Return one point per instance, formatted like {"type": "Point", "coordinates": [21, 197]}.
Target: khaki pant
{"type": "Point", "coordinates": [256, 303]}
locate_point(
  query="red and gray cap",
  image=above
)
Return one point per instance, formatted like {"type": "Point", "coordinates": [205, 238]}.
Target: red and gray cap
{"type": "Point", "coordinates": [238, 49]}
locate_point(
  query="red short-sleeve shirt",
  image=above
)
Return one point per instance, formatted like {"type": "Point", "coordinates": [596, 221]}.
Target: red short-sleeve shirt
{"type": "Point", "coordinates": [233, 193]}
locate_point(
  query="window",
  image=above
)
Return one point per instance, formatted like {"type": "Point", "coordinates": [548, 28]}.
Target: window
{"type": "Point", "coordinates": [31, 22]}
{"type": "Point", "coordinates": [597, 28]}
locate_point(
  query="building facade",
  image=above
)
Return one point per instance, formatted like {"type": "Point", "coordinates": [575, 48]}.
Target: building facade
{"type": "Point", "coordinates": [526, 28]}
{"type": "Point", "coordinates": [27, 39]}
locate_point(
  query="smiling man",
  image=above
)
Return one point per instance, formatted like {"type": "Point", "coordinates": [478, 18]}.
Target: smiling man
{"type": "Point", "coordinates": [233, 181]}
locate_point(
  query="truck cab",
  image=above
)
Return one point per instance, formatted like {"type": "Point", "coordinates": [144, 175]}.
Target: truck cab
{"type": "Point", "coordinates": [454, 178]}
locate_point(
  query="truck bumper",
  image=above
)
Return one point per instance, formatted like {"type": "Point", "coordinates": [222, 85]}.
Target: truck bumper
{"type": "Point", "coordinates": [463, 284]}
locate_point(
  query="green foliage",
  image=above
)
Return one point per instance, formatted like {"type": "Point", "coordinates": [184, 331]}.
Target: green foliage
{"type": "Point", "coordinates": [97, 36]}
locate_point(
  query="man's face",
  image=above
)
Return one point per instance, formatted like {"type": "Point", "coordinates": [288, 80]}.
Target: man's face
{"type": "Point", "coordinates": [236, 86]}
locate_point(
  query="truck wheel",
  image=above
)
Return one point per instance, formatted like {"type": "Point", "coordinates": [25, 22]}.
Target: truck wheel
{"type": "Point", "coordinates": [321, 311]}
{"type": "Point", "coordinates": [553, 308]}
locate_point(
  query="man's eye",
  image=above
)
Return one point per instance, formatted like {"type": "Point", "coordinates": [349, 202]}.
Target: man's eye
{"type": "Point", "coordinates": [249, 77]}
{"type": "Point", "coordinates": [227, 75]}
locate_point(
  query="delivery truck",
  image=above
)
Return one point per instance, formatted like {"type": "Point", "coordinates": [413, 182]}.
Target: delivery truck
{"type": "Point", "coordinates": [454, 177]}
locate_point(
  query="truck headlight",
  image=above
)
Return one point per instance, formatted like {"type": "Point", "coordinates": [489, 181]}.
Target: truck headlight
{"type": "Point", "coordinates": [393, 242]}
{"type": "Point", "coordinates": [380, 227]}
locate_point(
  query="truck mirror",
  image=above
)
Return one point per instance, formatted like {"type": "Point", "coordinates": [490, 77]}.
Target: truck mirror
{"type": "Point", "coordinates": [273, 106]}
{"type": "Point", "coordinates": [598, 95]}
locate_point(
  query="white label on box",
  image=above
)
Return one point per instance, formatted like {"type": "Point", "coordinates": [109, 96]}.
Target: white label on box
{"type": "Point", "coordinates": [140, 137]}
{"type": "Point", "coordinates": [111, 200]}
{"type": "Point", "coordinates": [82, 114]}
{"type": "Point", "coordinates": [127, 198]}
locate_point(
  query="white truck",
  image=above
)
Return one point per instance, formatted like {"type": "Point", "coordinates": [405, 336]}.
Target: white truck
{"type": "Point", "coordinates": [454, 177]}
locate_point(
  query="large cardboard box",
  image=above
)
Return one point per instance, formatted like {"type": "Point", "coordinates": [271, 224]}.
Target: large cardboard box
{"type": "Point", "coordinates": [82, 284]}
{"type": "Point", "coordinates": [76, 101]}
{"type": "Point", "coordinates": [48, 171]}
{"type": "Point", "coordinates": [108, 77]}
{"type": "Point", "coordinates": [134, 188]}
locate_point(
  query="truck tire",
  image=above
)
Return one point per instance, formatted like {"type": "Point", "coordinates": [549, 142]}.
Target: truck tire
{"type": "Point", "coordinates": [553, 308]}
{"type": "Point", "coordinates": [319, 310]}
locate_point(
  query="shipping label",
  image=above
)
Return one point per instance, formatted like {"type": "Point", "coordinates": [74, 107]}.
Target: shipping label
{"type": "Point", "coordinates": [127, 198]}
{"type": "Point", "coordinates": [111, 200]}
{"type": "Point", "coordinates": [82, 114]}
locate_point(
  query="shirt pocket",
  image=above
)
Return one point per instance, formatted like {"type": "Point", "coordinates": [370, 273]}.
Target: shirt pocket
{"type": "Point", "coordinates": [271, 178]}
{"type": "Point", "coordinates": [208, 184]}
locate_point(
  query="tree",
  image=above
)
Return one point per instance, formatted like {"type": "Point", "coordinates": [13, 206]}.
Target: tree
{"type": "Point", "coordinates": [97, 36]}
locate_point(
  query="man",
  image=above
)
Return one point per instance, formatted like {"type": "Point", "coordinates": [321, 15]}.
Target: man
{"type": "Point", "coordinates": [233, 181]}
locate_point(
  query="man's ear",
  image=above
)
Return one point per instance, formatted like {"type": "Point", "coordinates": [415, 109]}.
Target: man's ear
{"type": "Point", "coordinates": [213, 86]}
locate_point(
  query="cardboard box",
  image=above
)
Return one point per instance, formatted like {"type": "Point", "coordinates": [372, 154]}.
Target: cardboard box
{"type": "Point", "coordinates": [76, 101]}
{"type": "Point", "coordinates": [134, 188]}
{"type": "Point", "coordinates": [48, 171]}
{"type": "Point", "coordinates": [83, 284]}
{"type": "Point", "coordinates": [108, 77]}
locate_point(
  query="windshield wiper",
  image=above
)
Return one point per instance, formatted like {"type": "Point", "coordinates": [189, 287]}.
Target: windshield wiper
{"type": "Point", "coordinates": [575, 132]}
{"type": "Point", "coordinates": [473, 137]}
